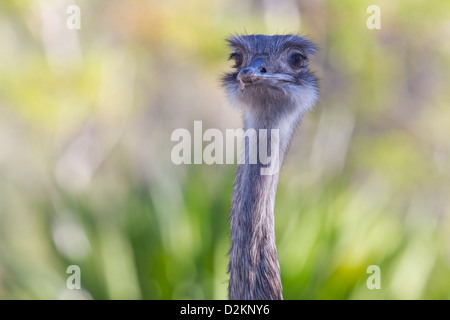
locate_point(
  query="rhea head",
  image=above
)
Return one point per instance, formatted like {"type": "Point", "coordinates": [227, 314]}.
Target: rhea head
{"type": "Point", "coordinates": [271, 75]}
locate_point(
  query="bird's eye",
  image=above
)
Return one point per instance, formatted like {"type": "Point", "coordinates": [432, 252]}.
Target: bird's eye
{"type": "Point", "coordinates": [237, 57]}
{"type": "Point", "coordinates": [296, 59]}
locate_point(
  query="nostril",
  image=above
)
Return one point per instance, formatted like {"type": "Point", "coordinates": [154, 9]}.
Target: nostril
{"type": "Point", "coordinates": [263, 70]}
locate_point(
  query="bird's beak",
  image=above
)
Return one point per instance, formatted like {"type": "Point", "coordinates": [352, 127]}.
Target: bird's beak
{"type": "Point", "coordinates": [248, 76]}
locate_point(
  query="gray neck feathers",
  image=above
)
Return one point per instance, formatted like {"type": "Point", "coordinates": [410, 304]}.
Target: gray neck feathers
{"type": "Point", "coordinates": [254, 268]}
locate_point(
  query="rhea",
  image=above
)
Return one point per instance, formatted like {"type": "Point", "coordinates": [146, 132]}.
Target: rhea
{"type": "Point", "coordinates": [274, 88]}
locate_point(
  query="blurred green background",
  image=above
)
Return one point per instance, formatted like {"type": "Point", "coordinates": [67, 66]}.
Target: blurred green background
{"type": "Point", "coordinates": [86, 178]}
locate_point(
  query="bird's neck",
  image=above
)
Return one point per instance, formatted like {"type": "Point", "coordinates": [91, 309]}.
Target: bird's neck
{"type": "Point", "coordinates": [254, 268]}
